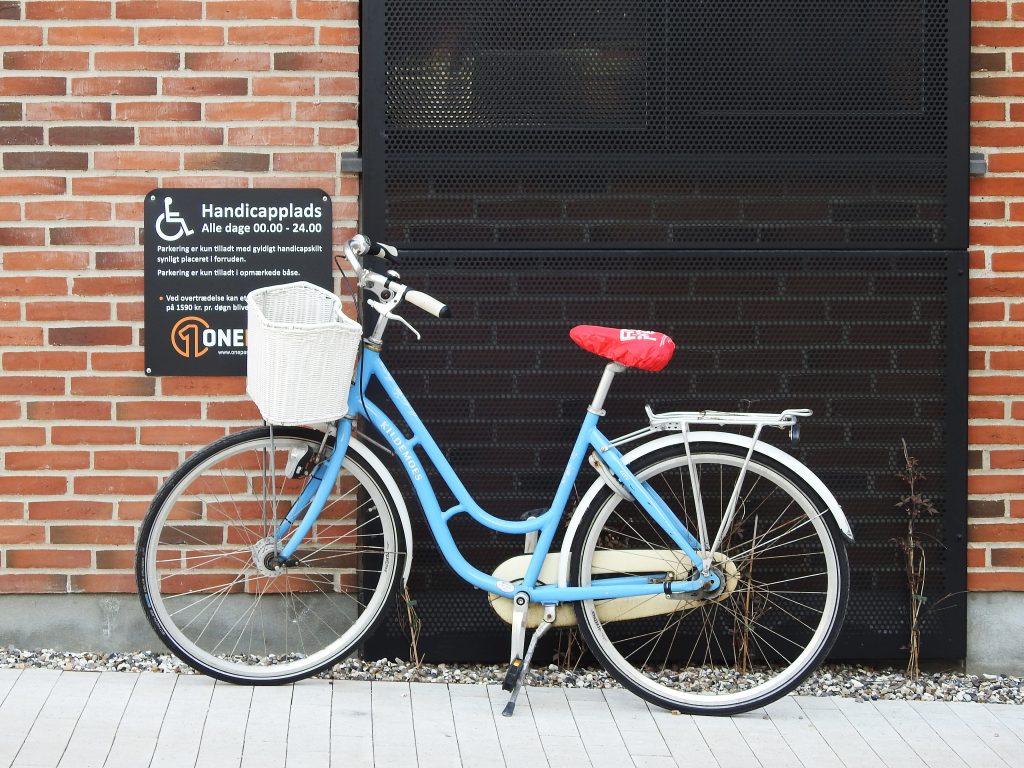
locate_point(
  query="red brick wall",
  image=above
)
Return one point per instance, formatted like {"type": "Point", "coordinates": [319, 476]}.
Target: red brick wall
{"type": "Point", "coordinates": [995, 556]}
{"type": "Point", "coordinates": [101, 102]}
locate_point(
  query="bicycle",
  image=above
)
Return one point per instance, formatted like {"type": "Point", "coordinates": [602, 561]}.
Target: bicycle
{"type": "Point", "coordinates": [705, 569]}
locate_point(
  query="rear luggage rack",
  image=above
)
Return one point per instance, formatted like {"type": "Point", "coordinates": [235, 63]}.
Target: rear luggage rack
{"type": "Point", "coordinates": [681, 421]}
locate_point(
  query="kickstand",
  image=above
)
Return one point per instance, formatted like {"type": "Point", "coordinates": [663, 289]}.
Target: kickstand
{"type": "Point", "coordinates": [523, 671]}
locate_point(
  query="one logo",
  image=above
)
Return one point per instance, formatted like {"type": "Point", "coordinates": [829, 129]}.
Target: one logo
{"type": "Point", "coordinates": [187, 337]}
{"type": "Point", "coordinates": [171, 225]}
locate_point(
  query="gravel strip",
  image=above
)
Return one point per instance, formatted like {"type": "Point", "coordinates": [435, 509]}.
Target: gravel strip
{"type": "Point", "coordinates": [848, 681]}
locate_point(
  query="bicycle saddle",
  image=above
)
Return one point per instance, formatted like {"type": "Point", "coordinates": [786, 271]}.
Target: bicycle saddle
{"type": "Point", "coordinates": [647, 350]}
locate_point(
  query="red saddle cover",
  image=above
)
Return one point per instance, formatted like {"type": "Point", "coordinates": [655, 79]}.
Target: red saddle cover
{"type": "Point", "coordinates": [647, 350]}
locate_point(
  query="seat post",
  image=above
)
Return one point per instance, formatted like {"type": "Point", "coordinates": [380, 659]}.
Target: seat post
{"type": "Point", "coordinates": [597, 406]}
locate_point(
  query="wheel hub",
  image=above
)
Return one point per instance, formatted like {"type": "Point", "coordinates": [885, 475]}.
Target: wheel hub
{"type": "Point", "coordinates": [728, 578]}
{"type": "Point", "coordinates": [266, 558]}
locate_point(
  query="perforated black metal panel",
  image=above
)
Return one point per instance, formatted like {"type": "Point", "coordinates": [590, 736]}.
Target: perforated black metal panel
{"type": "Point", "coordinates": [671, 123]}
{"type": "Point", "coordinates": [862, 339]}
{"type": "Point", "coordinates": [544, 163]}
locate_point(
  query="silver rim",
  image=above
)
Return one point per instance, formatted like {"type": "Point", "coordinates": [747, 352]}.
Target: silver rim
{"type": "Point", "coordinates": [758, 638]}
{"type": "Point", "coordinates": [212, 584]}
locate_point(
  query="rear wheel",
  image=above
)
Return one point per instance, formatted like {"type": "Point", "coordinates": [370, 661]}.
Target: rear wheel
{"type": "Point", "coordinates": [212, 584]}
{"type": "Point", "coordinates": [781, 558]}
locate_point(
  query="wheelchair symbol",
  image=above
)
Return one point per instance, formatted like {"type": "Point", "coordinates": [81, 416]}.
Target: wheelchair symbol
{"type": "Point", "coordinates": [176, 224]}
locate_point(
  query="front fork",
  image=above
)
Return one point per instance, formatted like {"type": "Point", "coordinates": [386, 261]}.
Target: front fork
{"type": "Point", "coordinates": [314, 495]}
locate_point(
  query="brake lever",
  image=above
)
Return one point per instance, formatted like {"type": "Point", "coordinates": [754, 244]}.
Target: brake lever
{"type": "Point", "coordinates": [382, 309]}
{"type": "Point", "coordinates": [405, 322]}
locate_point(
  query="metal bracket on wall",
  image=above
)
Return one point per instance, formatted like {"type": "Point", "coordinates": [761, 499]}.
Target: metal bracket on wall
{"type": "Point", "coordinates": [979, 164]}
{"type": "Point", "coordinates": [351, 162]}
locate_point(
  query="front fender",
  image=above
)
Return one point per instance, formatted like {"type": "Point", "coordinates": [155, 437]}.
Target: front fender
{"type": "Point", "coordinates": [391, 487]}
{"type": "Point", "coordinates": [741, 441]}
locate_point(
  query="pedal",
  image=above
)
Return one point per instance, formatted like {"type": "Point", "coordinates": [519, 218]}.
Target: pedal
{"type": "Point", "coordinates": [512, 675]}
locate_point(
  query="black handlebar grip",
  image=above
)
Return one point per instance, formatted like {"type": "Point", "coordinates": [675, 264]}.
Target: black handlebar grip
{"type": "Point", "coordinates": [387, 252]}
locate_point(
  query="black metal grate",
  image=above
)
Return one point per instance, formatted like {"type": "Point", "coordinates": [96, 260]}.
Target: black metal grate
{"type": "Point", "coordinates": [660, 123]}
{"type": "Point", "coordinates": [863, 339]}
{"type": "Point", "coordinates": [762, 162]}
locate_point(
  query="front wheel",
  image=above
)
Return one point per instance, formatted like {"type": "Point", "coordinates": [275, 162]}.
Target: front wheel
{"type": "Point", "coordinates": [782, 562]}
{"type": "Point", "coordinates": [210, 580]}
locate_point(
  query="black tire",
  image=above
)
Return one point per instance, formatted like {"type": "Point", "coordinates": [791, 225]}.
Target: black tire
{"type": "Point", "coordinates": [206, 572]}
{"type": "Point", "coordinates": [782, 557]}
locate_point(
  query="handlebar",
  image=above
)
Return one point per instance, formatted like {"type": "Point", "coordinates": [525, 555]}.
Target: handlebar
{"type": "Point", "coordinates": [360, 246]}
{"type": "Point", "coordinates": [428, 304]}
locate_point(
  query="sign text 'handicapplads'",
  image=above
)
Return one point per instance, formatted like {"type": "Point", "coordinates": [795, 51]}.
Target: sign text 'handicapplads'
{"type": "Point", "coordinates": [205, 249]}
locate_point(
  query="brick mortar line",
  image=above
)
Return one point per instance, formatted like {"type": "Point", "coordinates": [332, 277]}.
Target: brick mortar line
{"type": "Point", "coordinates": [133, 472]}
{"type": "Point", "coordinates": [76, 570]}
{"type": "Point", "coordinates": [134, 173]}
{"type": "Point", "coordinates": [224, 23]}
{"type": "Point", "coordinates": [242, 49]}
{"type": "Point", "coordinates": [970, 569]}
{"type": "Point", "coordinates": [193, 149]}
{"type": "Point", "coordinates": [50, 124]}
{"type": "Point", "coordinates": [93, 448]}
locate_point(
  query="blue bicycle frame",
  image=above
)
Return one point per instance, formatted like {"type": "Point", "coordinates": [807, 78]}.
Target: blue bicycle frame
{"type": "Point", "coordinates": [314, 496]}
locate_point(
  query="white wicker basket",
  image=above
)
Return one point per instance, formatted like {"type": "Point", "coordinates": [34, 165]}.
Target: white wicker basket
{"type": "Point", "coordinates": [302, 352]}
